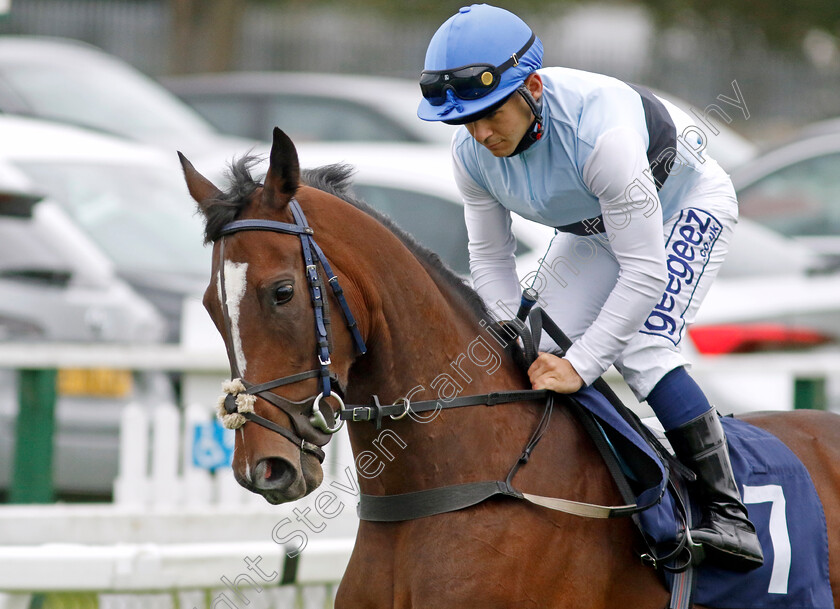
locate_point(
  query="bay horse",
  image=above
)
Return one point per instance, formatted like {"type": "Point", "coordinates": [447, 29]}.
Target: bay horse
{"type": "Point", "coordinates": [417, 320]}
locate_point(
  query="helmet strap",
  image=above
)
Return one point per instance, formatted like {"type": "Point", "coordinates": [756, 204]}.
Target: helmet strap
{"type": "Point", "coordinates": [535, 131]}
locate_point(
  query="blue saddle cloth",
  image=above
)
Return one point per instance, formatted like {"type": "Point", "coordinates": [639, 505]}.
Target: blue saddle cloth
{"type": "Point", "coordinates": [782, 502]}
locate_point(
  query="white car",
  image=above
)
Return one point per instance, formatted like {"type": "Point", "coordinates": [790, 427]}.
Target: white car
{"type": "Point", "coordinates": [765, 298]}
{"type": "Point", "coordinates": [793, 188]}
{"type": "Point", "coordinates": [129, 198]}
{"type": "Point", "coordinates": [57, 286]}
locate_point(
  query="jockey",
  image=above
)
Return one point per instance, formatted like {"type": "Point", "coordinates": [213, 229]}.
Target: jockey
{"type": "Point", "coordinates": [643, 219]}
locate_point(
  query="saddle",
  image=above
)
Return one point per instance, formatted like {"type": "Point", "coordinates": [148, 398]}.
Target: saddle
{"type": "Point", "coordinates": [782, 501]}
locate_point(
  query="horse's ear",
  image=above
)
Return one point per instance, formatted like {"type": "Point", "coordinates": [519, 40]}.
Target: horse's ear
{"type": "Point", "coordinates": [200, 187]}
{"type": "Point", "coordinates": [283, 177]}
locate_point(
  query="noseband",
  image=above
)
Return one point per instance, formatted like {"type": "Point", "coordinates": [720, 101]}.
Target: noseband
{"type": "Point", "coordinates": [313, 429]}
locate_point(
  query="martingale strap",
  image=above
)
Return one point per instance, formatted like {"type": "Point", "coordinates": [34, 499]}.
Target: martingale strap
{"type": "Point", "coordinates": [430, 502]}
{"type": "Point", "coordinates": [418, 504]}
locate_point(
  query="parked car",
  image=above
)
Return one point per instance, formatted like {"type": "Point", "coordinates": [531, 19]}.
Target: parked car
{"type": "Point", "coordinates": [795, 189]}
{"type": "Point", "coordinates": [76, 83]}
{"type": "Point", "coordinates": [315, 107]}
{"type": "Point", "coordinates": [129, 198]}
{"type": "Point", "coordinates": [725, 145]}
{"type": "Point", "coordinates": [56, 285]}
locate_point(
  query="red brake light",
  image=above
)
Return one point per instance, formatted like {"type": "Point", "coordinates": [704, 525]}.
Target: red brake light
{"type": "Point", "coordinates": [750, 338]}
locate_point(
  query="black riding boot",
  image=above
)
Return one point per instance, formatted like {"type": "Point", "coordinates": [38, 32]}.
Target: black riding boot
{"type": "Point", "coordinates": [725, 531]}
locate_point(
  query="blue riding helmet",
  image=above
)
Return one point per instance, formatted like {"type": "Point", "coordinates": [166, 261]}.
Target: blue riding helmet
{"type": "Point", "coordinates": [475, 60]}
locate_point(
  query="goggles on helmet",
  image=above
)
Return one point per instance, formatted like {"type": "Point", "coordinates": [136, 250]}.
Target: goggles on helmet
{"type": "Point", "coordinates": [467, 82]}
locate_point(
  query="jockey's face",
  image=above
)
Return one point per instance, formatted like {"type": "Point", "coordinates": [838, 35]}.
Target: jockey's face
{"type": "Point", "coordinates": [501, 131]}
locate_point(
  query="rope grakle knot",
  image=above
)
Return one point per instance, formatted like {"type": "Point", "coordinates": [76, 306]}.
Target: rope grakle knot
{"type": "Point", "coordinates": [233, 403]}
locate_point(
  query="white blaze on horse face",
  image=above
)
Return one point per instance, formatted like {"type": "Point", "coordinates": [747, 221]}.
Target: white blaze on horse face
{"type": "Point", "coordinates": [235, 273]}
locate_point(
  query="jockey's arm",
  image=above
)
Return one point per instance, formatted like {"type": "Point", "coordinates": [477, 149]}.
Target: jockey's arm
{"type": "Point", "coordinates": [492, 246]}
{"type": "Point", "coordinates": [616, 173]}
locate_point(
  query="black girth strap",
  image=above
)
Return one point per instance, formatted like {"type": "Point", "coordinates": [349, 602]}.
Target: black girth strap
{"type": "Point", "coordinates": [419, 504]}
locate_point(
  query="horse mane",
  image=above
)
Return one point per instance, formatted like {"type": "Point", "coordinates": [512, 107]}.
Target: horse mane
{"type": "Point", "coordinates": [336, 180]}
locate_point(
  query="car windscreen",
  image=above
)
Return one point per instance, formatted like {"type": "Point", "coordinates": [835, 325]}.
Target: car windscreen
{"type": "Point", "coordinates": [99, 95]}
{"type": "Point", "coordinates": [798, 200]}
{"type": "Point", "coordinates": [436, 223]}
{"type": "Point", "coordinates": [142, 218]}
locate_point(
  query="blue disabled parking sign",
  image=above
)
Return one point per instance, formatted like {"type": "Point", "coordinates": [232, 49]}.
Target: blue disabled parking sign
{"type": "Point", "coordinates": [212, 446]}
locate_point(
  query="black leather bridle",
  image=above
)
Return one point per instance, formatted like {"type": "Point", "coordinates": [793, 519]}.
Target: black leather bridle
{"type": "Point", "coordinates": [312, 430]}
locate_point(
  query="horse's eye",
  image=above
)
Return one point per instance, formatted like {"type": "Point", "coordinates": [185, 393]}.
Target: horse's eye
{"type": "Point", "coordinates": [283, 293]}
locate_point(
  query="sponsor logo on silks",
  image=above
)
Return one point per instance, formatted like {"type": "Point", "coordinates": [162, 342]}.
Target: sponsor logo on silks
{"type": "Point", "coordinates": [687, 251]}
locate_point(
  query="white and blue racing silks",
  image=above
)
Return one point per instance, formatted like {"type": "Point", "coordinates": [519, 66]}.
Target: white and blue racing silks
{"type": "Point", "coordinates": [547, 182]}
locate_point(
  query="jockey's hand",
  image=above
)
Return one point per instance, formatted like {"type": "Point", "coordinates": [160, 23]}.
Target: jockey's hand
{"type": "Point", "coordinates": [554, 373]}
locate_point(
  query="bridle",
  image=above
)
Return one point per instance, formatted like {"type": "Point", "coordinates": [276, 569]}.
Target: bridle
{"type": "Point", "coordinates": [312, 430]}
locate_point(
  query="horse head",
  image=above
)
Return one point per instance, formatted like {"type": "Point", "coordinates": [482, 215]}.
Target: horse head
{"type": "Point", "coordinates": [304, 280]}
{"type": "Point", "coordinates": [270, 297]}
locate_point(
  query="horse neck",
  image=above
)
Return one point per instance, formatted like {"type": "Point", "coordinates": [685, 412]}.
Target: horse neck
{"type": "Point", "coordinates": [425, 330]}
{"type": "Point", "coordinates": [428, 343]}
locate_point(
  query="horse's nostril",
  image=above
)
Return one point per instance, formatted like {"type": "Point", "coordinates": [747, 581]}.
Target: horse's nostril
{"type": "Point", "coordinates": [274, 473]}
